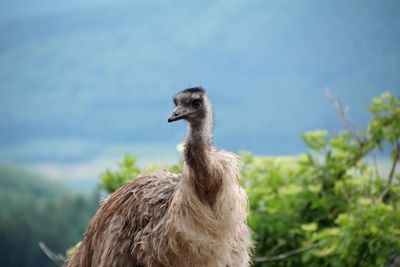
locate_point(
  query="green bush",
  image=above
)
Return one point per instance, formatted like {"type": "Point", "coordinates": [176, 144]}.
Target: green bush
{"type": "Point", "coordinates": [327, 207]}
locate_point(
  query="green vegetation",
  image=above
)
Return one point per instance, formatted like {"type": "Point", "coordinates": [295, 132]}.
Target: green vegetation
{"type": "Point", "coordinates": [326, 207]}
{"type": "Point", "coordinates": [34, 209]}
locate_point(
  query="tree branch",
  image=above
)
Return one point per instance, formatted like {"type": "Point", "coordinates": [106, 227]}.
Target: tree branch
{"type": "Point", "coordinates": [377, 174]}
{"type": "Point", "coordinates": [341, 110]}
{"type": "Point", "coordinates": [392, 172]}
{"type": "Point", "coordinates": [286, 254]}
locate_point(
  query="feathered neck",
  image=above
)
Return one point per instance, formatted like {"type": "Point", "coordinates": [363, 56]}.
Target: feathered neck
{"type": "Point", "coordinates": [199, 133]}
{"type": "Point", "coordinates": [199, 166]}
{"type": "Point", "coordinates": [199, 139]}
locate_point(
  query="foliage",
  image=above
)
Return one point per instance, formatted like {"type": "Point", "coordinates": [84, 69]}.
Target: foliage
{"type": "Point", "coordinates": [327, 207]}
{"type": "Point", "coordinates": [111, 180]}
{"type": "Point", "coordinates": [34, 209]}
{"type": "Point", "coordinates": [329, 197]}
{"type": "Point", "coordinates": [127, 170]}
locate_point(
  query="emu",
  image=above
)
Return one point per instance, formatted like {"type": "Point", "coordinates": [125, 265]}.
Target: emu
{"type": "Point", "coordinates": [197, 218]}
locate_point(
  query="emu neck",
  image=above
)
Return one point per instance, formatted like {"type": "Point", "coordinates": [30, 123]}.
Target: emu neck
{"type": "Point", "coordinates": [198, 140]}
{"type": "Point", "coordinates": [200, 167]}
{"type": "Point", "coordinates": [199, 134]}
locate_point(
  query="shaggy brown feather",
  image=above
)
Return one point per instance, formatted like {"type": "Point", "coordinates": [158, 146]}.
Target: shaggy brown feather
{"type": "Point", "coordinates": [197, 218]}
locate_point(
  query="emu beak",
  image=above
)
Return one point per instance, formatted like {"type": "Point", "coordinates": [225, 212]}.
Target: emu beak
{"type": "Point", "coordinates": [177, 114]}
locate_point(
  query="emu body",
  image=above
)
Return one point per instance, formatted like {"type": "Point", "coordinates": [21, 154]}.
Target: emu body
{"type": "Point", "coordinates": [197, 218]}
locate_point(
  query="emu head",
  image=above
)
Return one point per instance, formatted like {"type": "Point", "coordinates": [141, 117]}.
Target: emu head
{"type": "Point", "coordinates": [191, 104]}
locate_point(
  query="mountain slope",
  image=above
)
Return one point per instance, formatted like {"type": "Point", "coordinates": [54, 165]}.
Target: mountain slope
{"type": "Point", "coordinates": [34, 209]}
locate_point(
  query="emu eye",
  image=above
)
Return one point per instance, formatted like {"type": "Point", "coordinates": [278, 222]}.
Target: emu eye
{"type": "Point", "coordinates": [196, 103]}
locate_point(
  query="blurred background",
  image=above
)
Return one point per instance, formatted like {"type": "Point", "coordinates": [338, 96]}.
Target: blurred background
{"type": "Point", "coordinates": [84, 82]}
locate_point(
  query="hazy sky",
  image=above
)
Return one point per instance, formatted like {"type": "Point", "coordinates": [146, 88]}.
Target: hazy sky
{"type": "Point", "coordinates": [82, 82]}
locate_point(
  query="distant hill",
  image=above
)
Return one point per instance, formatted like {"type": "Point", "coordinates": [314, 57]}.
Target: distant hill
{"type": "Point", "coordinates": [23, 185]}
{"type": "Point", "coordinates": [34, 209]}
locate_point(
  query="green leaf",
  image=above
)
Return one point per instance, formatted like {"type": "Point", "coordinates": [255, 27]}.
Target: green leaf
{"type": "Point", "coordinates": [309, 227]}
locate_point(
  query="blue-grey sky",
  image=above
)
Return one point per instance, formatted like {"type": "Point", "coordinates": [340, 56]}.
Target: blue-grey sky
{"type": "Point", "coordinates": [82, 81]}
